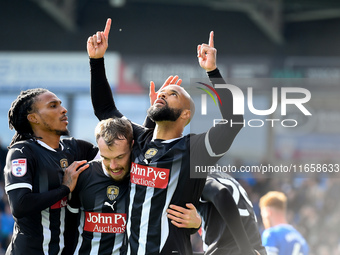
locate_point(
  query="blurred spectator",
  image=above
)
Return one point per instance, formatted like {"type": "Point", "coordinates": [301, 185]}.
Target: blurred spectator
{"type": "Point", "coordinates": [3, 154]}
{"type": "Point", "coordinates": [313, 207]}
{"type": "Point", "coordinates": [6, 223]}
{"type": "Point", "coordinates": [279, 237]}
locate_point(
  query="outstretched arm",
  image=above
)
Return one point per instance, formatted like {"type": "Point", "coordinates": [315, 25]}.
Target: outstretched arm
{"type": "Point", "coordinates": [206, 54]}
{"type": "Point", "coordinates": [98, 43]}
{"type": "Point", "coordinates": [101, 94]}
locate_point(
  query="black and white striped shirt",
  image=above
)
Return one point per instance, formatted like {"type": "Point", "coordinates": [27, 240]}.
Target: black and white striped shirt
{"type": "Point", "coordinates": [33, 176]}
{"type": "Point", "coordinates": [102, 204]}
{"type": "Point", "coordinates": [160, 173]}
{"type": "Point", "coordinates": [155, 184]}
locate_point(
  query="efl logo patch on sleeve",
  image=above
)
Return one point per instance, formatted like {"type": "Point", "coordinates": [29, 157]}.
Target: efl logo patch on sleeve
{"type": "Point", "coordinates": [19, 167]}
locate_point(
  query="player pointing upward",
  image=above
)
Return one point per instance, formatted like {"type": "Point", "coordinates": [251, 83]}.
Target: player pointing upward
{"type": "Point", "coordinates": [163, 152]}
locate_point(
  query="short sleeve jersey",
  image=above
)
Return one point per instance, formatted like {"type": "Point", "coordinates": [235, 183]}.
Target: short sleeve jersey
{"type": "Point", "coordinates": [102, 204]}
{"type": "Point", "coordinates": [36, 166]}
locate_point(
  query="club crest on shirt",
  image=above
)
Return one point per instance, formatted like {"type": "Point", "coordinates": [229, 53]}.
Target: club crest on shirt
{"type": "Point", "coordinates": [112, 192]}
{"type": "Point", "coordinates": [19, 167]}
{"type": "Point", "coordinates": [64, 163]}
{"type": "Point", "coordinates": [150, 153]}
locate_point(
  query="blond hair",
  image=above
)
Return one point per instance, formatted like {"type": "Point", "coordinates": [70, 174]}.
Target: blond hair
{"type": "Point", "coordinates": [275, 199]}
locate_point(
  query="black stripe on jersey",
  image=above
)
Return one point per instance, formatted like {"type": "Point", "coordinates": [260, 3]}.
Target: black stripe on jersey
{"type": "Point", "coordinates": [135, 214]}
{"type": "Point", "coordinates": [55, 238]}
{"type": "Point", "coordinates": [156, 201]}
{"type": "Point", "coordinates": [43, 180]}
{"type": "Point", "coordinates": [41, 231]}
{"type": "Point", "coordinates": [155, 218]}
{"type": "Point", "coordinates": [91, 191]}
{"type": "Point", "coordinates": [105, 246]}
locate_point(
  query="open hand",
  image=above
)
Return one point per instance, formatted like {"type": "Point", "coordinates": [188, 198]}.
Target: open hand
{"type": "Point", "coordinates": [172, 80]}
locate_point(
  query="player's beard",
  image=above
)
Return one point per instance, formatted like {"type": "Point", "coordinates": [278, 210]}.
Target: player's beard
{"type": "Point", "coordinates": [164, 113]}
{"type": "Point", "coordinates": [119, 178]}
{"type": "Point", "coordinates": [60, 132]}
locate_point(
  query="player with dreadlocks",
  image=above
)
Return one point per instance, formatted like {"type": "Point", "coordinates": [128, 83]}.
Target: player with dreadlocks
{"type": "Point", "coordinates": [41, 170]}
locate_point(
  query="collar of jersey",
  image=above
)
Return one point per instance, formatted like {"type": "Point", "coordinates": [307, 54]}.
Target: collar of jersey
{"type": "Point", "coordinates": [48, 147]}
{"type": "Point", "coordinates": [167, 141]}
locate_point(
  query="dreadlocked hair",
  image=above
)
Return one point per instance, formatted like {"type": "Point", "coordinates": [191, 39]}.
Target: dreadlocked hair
{"type": "Point", "coordinates": [17, 114]}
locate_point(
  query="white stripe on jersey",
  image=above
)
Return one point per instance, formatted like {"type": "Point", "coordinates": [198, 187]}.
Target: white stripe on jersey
{"type": "Point", "coordinates": [170, 192]}
{"type": "Point", "coordinates": [144, 222]}
{"type": "Point", "coordinates": [62, 230]}
{"type": "Point", "coordinates": [95, 242]}
{"type": "Point", "coordinates": [208, 147]}
{"type": "Point", "coordinates": [118, 244]}
{"type": "Point", "coordinates": [128, 226]}
{"type": "Point", "coordinates": [80, 231]}
{"type": "Point", "coordinates": [205, 246]}
{"type": "Point", "coordinates": [96, 239]}
{"type": "Point", "coordinates": [173, 181]}
{"type": "Point", "coordinates": [18, 186]}
{"type": "Point", "coordinates": [45, 222]}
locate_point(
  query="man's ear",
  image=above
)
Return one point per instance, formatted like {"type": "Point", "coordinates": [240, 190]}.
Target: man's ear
{"type": "Point", "coordinates": [269, 211]}
{"type": "Point", "coordinates": [32, 118]}
{"type": "Point", "coordinates": [186, 114]}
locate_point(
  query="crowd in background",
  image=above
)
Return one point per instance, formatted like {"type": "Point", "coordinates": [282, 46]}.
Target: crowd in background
{"type": "Point", "coordinates": [313, 208]}
{"type": "Point", "coordinates": [6, 219]}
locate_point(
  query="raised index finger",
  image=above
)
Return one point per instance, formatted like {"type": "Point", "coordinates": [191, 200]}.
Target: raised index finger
{"type": "Point", "coordinates": [211, 39]}
{"type": "Point", "coordinates": [107, 28]}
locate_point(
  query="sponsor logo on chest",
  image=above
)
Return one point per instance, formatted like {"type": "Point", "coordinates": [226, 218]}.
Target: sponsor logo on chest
{"type": "Point", "coordinates": [105, 222]}
{"type": "Point", "coordinates": [149, 176]}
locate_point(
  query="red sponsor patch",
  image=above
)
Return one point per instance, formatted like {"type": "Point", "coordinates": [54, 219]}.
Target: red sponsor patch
{"type": "Point", "coordinates": [61, 203]}
{"type": "Point", "coordinates": [149, 176]}
{"type": "Point", "coordinates": [105, 222]}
